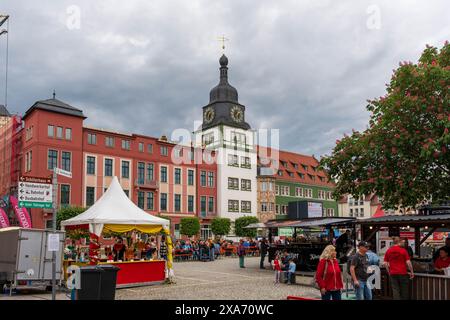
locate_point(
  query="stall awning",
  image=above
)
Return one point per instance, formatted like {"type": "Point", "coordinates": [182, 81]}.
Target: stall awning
{"type": "Point", "coordinates": [407, 219]}
{"type": "Point", "coordinates": [324, 222]}
{"type": "Point", "coordinates": [256, 225]}
{"type": "Point", "coordinates": [305, 223]}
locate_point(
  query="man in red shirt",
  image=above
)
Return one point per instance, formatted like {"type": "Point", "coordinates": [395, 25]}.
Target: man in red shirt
{"type": "Point", "coordinates": [396, 260]}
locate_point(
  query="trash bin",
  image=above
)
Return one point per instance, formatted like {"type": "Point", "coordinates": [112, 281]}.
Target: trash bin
{"type": "Point", "coordinates": [108, 281]}
{"type": "Point", "coordinates": [90, 278]}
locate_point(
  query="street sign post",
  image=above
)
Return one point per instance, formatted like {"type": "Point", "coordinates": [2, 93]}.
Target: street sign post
{"type": "Point", "coordinates": [56, 172]}
{"type": "Point", "coordinates": [35, 192]}
{"type": "Point", "coordinates": [64, 173]}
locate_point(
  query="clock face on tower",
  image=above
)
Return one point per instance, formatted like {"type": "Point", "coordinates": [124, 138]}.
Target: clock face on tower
{"type": "Point", "coordinates": [208, 115]}
{"type": "Point", "coordinates": [237, 114]}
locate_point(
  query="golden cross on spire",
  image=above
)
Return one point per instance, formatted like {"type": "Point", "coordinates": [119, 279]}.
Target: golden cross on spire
{"type": "Point", "coordinates": [223, 39]}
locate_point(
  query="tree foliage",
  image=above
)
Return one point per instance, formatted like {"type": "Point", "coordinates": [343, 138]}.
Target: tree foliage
{"type": "Point", "coordinates": [403, 156]}
{"type": "Point", "coordinates": [189, 226]}
{"type": "Point", "coordinates": [242, 222]}
{"type": "Point", "coordinates": [67, 213]}
{"type": "Point", "coordinates": [220, 226]}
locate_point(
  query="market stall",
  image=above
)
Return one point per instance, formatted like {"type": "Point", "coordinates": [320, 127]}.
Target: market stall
{"type": "Point", "coordinates": [426, 285]}
{"type": "Point", "coordinates": [115, 213]}
{"type": "Point", "coordinates": [310, 237]}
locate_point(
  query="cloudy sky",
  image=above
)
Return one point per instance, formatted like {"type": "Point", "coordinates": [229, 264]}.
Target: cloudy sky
{"type": "Point", "coordinates": [304, 67]}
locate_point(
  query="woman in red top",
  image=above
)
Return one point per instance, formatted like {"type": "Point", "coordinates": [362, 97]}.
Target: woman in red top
{"type": "Point", "coordinates": [443, 261]}
{"type": "Point", "coordinates": [328, 275]}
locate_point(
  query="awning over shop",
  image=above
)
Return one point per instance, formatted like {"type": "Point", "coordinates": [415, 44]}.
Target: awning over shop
{"type": "Point", "coordinates": [441, 219]}
{"type": "Point", "coordinates": [304, 223]}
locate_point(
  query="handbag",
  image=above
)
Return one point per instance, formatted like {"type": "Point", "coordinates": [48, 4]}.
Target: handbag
{"type": "Point", "coordinates": [314, 282]}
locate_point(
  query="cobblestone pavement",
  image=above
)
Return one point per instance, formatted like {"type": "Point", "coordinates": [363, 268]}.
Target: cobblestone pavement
{"type": "Point", "coordinates": [220, 279]}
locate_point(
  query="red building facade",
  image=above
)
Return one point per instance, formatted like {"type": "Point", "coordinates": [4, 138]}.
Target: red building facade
{"type": "Point", "coordinates": [161, 177]}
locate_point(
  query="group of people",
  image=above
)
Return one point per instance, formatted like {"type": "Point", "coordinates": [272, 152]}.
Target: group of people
{"type": "Point", "coordinates": [397, 262]}
{"type": "Point", "coordinates": [140, 250]}
{"type": "Point", "coordinates": [200, 250]}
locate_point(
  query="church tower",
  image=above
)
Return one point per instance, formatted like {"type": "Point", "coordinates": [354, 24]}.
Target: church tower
{"type": "Point", "coordinates": [225, 131]}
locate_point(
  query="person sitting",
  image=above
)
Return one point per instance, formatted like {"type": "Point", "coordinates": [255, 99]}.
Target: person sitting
{"type": "Point", "coordinates": [443, 261]}
{"type": "Point", "coordinates": [447, 245]}
{"type": "Point", "coordinates": [119, 250]}
{"type": "Point", "coordinates": [285, 261]}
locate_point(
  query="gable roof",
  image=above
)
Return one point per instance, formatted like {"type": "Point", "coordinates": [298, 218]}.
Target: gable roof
{"type": "Point", "coordinates": [55, 105]}
{"type": "Point", "coordinates": [299, 164]}
{"type": "Point", "coordinates": [4, 112]}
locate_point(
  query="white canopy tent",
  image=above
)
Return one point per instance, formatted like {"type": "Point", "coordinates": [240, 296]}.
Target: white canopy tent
{"type": "Point", "coordinates": [114, 211]}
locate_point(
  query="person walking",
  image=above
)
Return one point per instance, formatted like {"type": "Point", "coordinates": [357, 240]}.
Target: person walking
{"type": "Point", "coordinates": [396, 260]}
{"type": "Point", "coordinates": [241, 253]}
{"type": "Point", "coordinates": [263, 249]}
{"type": "Point", "coordinates": [277, 268]}
{"type": "Point", "coordinates": [358, 271]}
{"type": "Point", "coordinates": [329, 275]}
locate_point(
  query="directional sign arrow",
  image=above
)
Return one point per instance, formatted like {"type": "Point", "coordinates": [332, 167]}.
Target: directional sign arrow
{"type": "Point", "coordinates": [21, 184]}
{"type": "Point", "coordinates": [21, 198]}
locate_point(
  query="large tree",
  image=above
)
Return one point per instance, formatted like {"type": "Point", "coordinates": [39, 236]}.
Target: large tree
{"type": "Point", "coordinates": [403, 156]}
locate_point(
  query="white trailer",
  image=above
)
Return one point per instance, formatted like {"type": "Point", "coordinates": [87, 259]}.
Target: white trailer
{"type": "Point", "coordinates": [25, 261]}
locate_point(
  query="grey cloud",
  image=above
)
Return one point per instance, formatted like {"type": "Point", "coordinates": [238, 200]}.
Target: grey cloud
{"type": "Point", "coordinates": [305, 67]}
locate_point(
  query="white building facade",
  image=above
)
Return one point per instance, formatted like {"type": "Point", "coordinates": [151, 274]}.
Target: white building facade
{"type": "Point", "coordinates": [225, 131]}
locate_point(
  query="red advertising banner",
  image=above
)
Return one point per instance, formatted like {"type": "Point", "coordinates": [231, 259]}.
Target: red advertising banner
{"type": "Point", "coordinates": [4, 221]}
{"type": "Point", "coordinates": [407, 234]}
{"type": "Point", "coordinates": [21, 213]}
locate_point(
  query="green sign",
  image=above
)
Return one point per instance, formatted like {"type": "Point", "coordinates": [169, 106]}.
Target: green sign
{"type": "Point", "coordinates": [33, 204]}
{"type": "Point", "coordinates": [287, 232]}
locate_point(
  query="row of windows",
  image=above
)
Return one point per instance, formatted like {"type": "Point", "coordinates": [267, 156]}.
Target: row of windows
{"type": "Point", "coordinates": [266, 206]}
{"type": "Point", "coordinates": [52, 160]}
{"type": "Point", "coordinates": [357, 212]}
{"type": "Point", "coordinates": [355, 202]}
{"type": "Point", "coordinates": [146, 201]}
{"type": "Point", "coordinates": [233, 160]}
{"type": "Point", "coordinates": [283, 209]}
{"type": "Point", "coordinates": [301, 175]}
{"type": "Point", "coordinates": [206, 179]}
{"type": "Point", "coordinates": [267, 186]}
{"type": "Point", "coordinates": [302, 192]}
{"type": "Point", "coordinates": [236, 138]}
{"type": "Point", "coordinates": [145, 171]}
{"type": "Point", "coordinates": [60, 134]}
{"type": "Point", "coordinates": [296, 166]}
{"type": "Point", "coordinates": [126, 144]}
{"type": "Point", "coordinates": [233, 183]}
{"type": "Point", "coordinates": [233, 206]}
